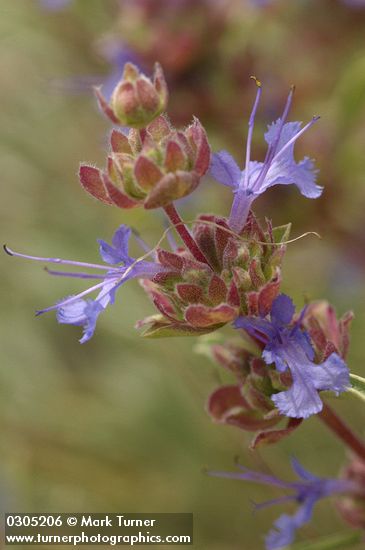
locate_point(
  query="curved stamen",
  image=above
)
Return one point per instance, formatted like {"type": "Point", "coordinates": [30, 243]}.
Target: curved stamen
{"type": "Point", "coordinates": [294, 138]}
{"type": "Point", "coordinates": [71, 299]}
{"type": "Point", "coordinates": [74, 275]}
{"type": "Point", "coordinates": [272, 502]}
{"type": "Point", "coordinates": [251, 124]}
{"type": "Point", "coordinates": [53, 260]}
{"type": "Point", "coordinates": [272, 149]}
{"type": "Point", "coordinates": [257, 477]}
{"type": "Point", "coordinates": [241, 204]}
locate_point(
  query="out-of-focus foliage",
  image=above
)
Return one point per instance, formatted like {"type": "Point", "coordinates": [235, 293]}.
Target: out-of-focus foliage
{"type": "Point", "coordinates": [119, 423]}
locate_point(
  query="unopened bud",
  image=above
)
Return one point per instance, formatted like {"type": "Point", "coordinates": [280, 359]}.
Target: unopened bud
{"type": "Point", "coordinates": [136, 100]}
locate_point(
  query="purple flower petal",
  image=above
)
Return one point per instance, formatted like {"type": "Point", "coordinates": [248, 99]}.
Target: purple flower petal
{"type": "Point", "coordinates": [285, 526]}
{"type": "Point", "coordinates": [224, 169]}
{"type": "Point", "coordinates": [301, 400]}
{"type": "Point", "coordinates": [259, 328]}
{"type": "Point", "coordinates": [83, 313]}
{"type": "Point", "coordinates": [117, 252]}
{"type": "Point", "coordinates": [332, 374]}
{"type": "Point", "coordinates": [282, 310]}
{"type": "Point", "coordinates": [289, 130]}
{"type": "Point", "coordinates": [289, 348]}
{"type": "Point", "coordinates": [284, 170]}
{"type": "Point", "coordinates": [302, 472]}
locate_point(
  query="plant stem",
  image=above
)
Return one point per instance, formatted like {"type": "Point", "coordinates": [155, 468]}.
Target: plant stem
{"type": "Point", "coordinates": [142, 134]}
{"type": "Point", "coordinates": [344, 432]}
{"type": "Point", "coordinates": [184, 233]}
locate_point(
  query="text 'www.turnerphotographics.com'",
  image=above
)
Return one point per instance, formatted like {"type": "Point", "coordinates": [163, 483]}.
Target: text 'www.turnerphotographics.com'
{"type": "Point", "coordinates": [98, 529]}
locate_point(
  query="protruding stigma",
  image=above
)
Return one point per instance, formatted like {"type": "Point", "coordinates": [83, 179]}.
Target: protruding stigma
{"type": "Point", "coordinates": [257, 81]}
{"type": "Point", "coordinates": [7, 250]}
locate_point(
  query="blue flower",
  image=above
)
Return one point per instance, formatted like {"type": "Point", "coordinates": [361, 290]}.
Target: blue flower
{"type": "Point", "coordinates": [306, 492]}
{"type": "Point", "coordinates": [75, 310]}
{"type": "Point", "coordinates": [279, 166]}
{"type": "Point", "coordinates": [289, 347]}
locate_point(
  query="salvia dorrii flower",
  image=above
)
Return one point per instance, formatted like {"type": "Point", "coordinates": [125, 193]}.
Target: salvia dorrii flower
{"type": "Point", "coordinates": [136, 99]}
{"type": "Point", "coordinates": [242, 277]}
{"type": "Point", "coordinates": [278, 167]}
{"type": "Point", "coordinates": [306, 492]}
{"type": "Point", "coordinates": [290, 349]}
{"type": "Point", "coordinates": [118, 268]}
{"type": "Point", "coordinates": [247, 403]}
{"type": "Point", "coordinates": [151, 168]}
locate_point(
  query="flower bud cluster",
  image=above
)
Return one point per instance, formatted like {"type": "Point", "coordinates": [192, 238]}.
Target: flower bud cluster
{"type": "Point", "coordinates": [242, 277]}
{"type": "Point", "coordinates": [154, 164]}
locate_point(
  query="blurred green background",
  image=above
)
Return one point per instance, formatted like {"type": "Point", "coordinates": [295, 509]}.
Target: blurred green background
{"type": "Point", "coordinates": [118, 424]}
